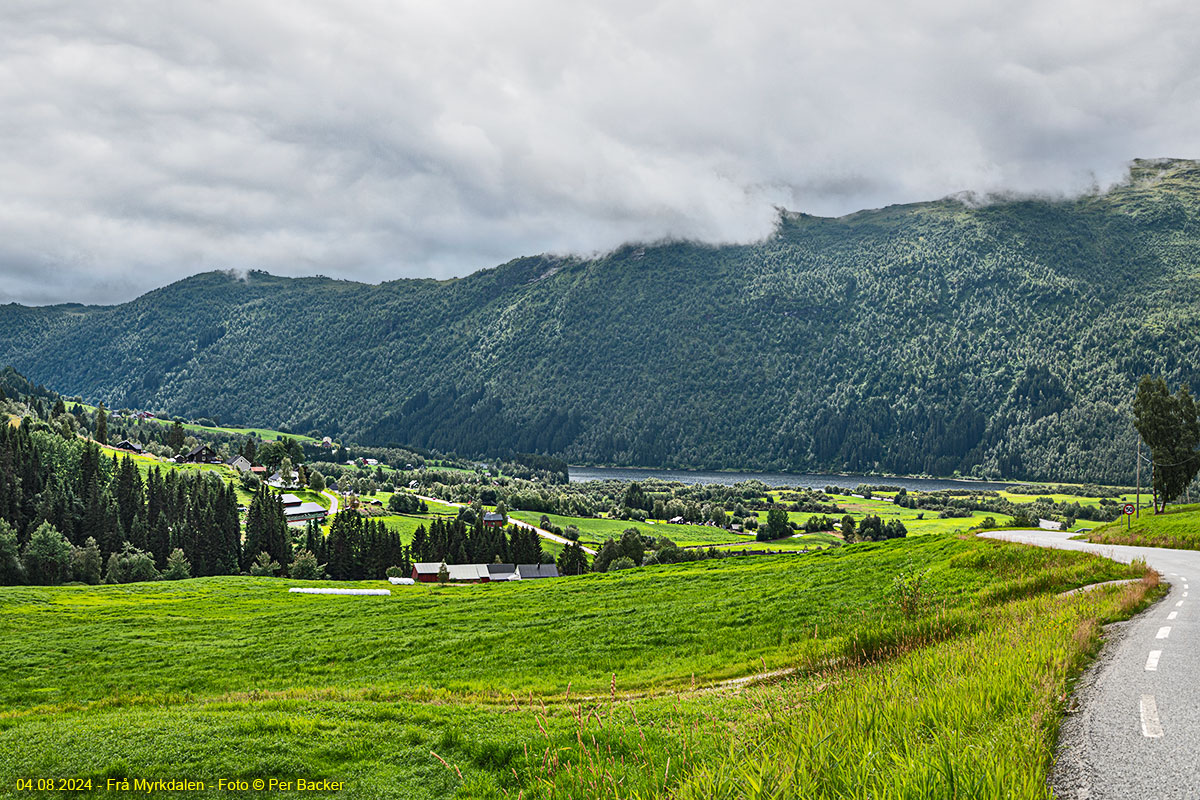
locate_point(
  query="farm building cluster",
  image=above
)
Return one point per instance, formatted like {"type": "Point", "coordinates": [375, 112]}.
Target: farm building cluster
{"type": "Point", "coordinates": [427, 572]}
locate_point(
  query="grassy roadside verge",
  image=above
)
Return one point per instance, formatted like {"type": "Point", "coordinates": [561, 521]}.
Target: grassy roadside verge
{"type": "Point", "coordinates": [1178, 528]}
{"type": "Point", "coordinates": [973, 717]}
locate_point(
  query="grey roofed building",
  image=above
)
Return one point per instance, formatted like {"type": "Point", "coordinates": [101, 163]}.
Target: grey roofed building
{"type": "Point", "coordinates": [530, 571]}
{"type": "Point", "coordinates": [491, 518]}
{"type": "Point", "coordinates": [427, 571]}
{"type": "Point", "coordinates": [502, 572]}
{"type": "Point", "coordinates": [126, 444]}
{"type": "Point", "coordinates": [241, 464]}
{"type": "Point", "coordinates": [468, 572]}
{"type": "Point", "coordinates": [290, 500]}
{"type": "Point", "coordinates": [304, 512]}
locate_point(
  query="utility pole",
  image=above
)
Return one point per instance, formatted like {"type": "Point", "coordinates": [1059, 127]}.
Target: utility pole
{"type": "Point", "coordinates": [1138, 506]}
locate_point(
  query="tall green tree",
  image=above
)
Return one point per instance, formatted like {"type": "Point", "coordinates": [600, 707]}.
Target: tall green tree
{"type": "Point", "coordinates": [1170, 427]}
{"type": "Point", "coordinates": [776, 527]}
{"type": "Point", "coordinates": [12, 572]}
{"type": "Point", "coordinates": [47, 556]}
{"type": "Point", "coordinates": [175, 438]}
{"type": "Point", "coordinates": [86, 562]}
{"type": "Point", "coordinates": [285, 471]}
{"type": "Point", "coordinates": [101, 424]}
{"type": "Point", "coordinates": [572, 560]}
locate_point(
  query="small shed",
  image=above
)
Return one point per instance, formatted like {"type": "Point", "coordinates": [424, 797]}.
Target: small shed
{"type": "Point", "coordinates": [493, 520]}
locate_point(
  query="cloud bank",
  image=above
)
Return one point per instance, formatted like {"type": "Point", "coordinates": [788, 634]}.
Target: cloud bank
{"type": "Point", "coordinates": [144, 142]}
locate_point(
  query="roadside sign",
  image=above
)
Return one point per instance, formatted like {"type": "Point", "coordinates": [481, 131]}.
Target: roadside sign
{"type": "Point", "coordinates": [1129, 509]}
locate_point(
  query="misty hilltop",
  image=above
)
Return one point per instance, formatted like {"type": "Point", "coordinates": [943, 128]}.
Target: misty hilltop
{"type": "Point", "coordinates": [1000, 339]}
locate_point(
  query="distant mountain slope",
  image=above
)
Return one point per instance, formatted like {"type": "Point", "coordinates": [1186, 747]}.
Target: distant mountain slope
{"type": "Point", "coordinates": [1000, 340]}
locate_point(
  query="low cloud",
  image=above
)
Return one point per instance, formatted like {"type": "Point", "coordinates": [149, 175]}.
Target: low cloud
{"type": "Point", "coordinates": [145, 142]}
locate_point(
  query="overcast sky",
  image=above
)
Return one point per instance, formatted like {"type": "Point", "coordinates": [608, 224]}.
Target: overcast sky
{"type": "Point", "coordinates": [142, 142]}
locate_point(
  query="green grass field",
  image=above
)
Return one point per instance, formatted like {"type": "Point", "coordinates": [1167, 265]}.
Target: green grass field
{"type": "Point", "coordinates": [597, 686]}
{"type": "Point", "coordinates": [1179, 528]}
{"type": "Point", "coordinates": [266, 434]}
{"type": "Point", "coordinates": [917, 521]}
{"type": "Point", "coordinates": [595, 530]}
{"type": "Point", "coordinates": [807, 541]}
{"type": "Point", "coordinates": [405, 524]}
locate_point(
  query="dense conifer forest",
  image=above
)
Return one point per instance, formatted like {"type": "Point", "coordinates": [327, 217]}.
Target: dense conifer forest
{"type": "Point", "coordinates": [997, 339]}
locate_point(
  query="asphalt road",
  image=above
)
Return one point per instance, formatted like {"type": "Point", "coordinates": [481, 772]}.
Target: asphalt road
{"type": "Point", "coordinates": [1136, 733]}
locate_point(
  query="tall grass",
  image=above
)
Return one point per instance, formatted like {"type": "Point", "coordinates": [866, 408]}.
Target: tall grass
{"type": "Point", "coordinates": [974, 714]}
{"type": "Point", "coordinates": [1178, 529]}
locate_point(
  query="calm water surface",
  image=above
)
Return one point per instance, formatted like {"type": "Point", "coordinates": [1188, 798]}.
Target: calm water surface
{"type": "Point", "coordinates": [579, 474]}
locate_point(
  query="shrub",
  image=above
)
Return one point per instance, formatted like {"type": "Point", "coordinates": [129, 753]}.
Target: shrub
{"type": "Point", "coordinates": [264, 567]}
{"type": "Point", "coordinates": [86, 562]}
{"type": "Point", "coordinates": [909, 593]}
{"type": "Point", "coordinates": [178, 567]}
{"type": "Point", "coordinates": [306, 568]}
{"type": "Point", "coordinates": [131, 565]}
{"type": "Point", "coordinates": [624, 562]}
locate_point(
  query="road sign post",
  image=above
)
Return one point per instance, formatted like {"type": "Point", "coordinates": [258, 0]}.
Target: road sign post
{"type": "Point", "coordinates": [1129, 512]}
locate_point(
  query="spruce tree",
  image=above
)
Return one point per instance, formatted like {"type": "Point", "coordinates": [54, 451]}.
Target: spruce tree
{"type": "Point", "coordinates": [101, 424]}
{"type": "Point", "coordinates": [12, 572]}
{"type": "Point", "coordinates": [176, 437]}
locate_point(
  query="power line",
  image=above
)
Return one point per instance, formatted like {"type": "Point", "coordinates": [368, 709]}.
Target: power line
{"type": "Point", "coordinates": [1193, 457]}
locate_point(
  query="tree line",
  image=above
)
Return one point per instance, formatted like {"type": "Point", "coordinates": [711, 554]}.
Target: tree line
{"type": "Point", "coordinates": [72, 497]}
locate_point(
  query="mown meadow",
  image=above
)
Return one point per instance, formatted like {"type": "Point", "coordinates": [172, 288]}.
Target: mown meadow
{"type": "Point", "coordinates": [934, 666]}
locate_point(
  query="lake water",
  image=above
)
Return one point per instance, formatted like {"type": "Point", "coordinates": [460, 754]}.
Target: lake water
{"type": "Point", "coordinates": [579, 474]}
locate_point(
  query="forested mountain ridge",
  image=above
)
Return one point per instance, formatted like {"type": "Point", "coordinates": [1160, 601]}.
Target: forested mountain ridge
{"type": "Point", "coordinates": [1002, 339]}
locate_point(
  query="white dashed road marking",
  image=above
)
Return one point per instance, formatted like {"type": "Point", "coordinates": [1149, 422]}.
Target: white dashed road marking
{"type": "Point", "coordinates": [1163, 632]}
{"type": "Point", "coordinates": [1179, 604]}
{"type": "Point", "coordinates": [1152, 661]}
{"type": "Point", "coordinates": [1151, 728]}
{"type": "Point", "coordinates": [1172, 615]}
